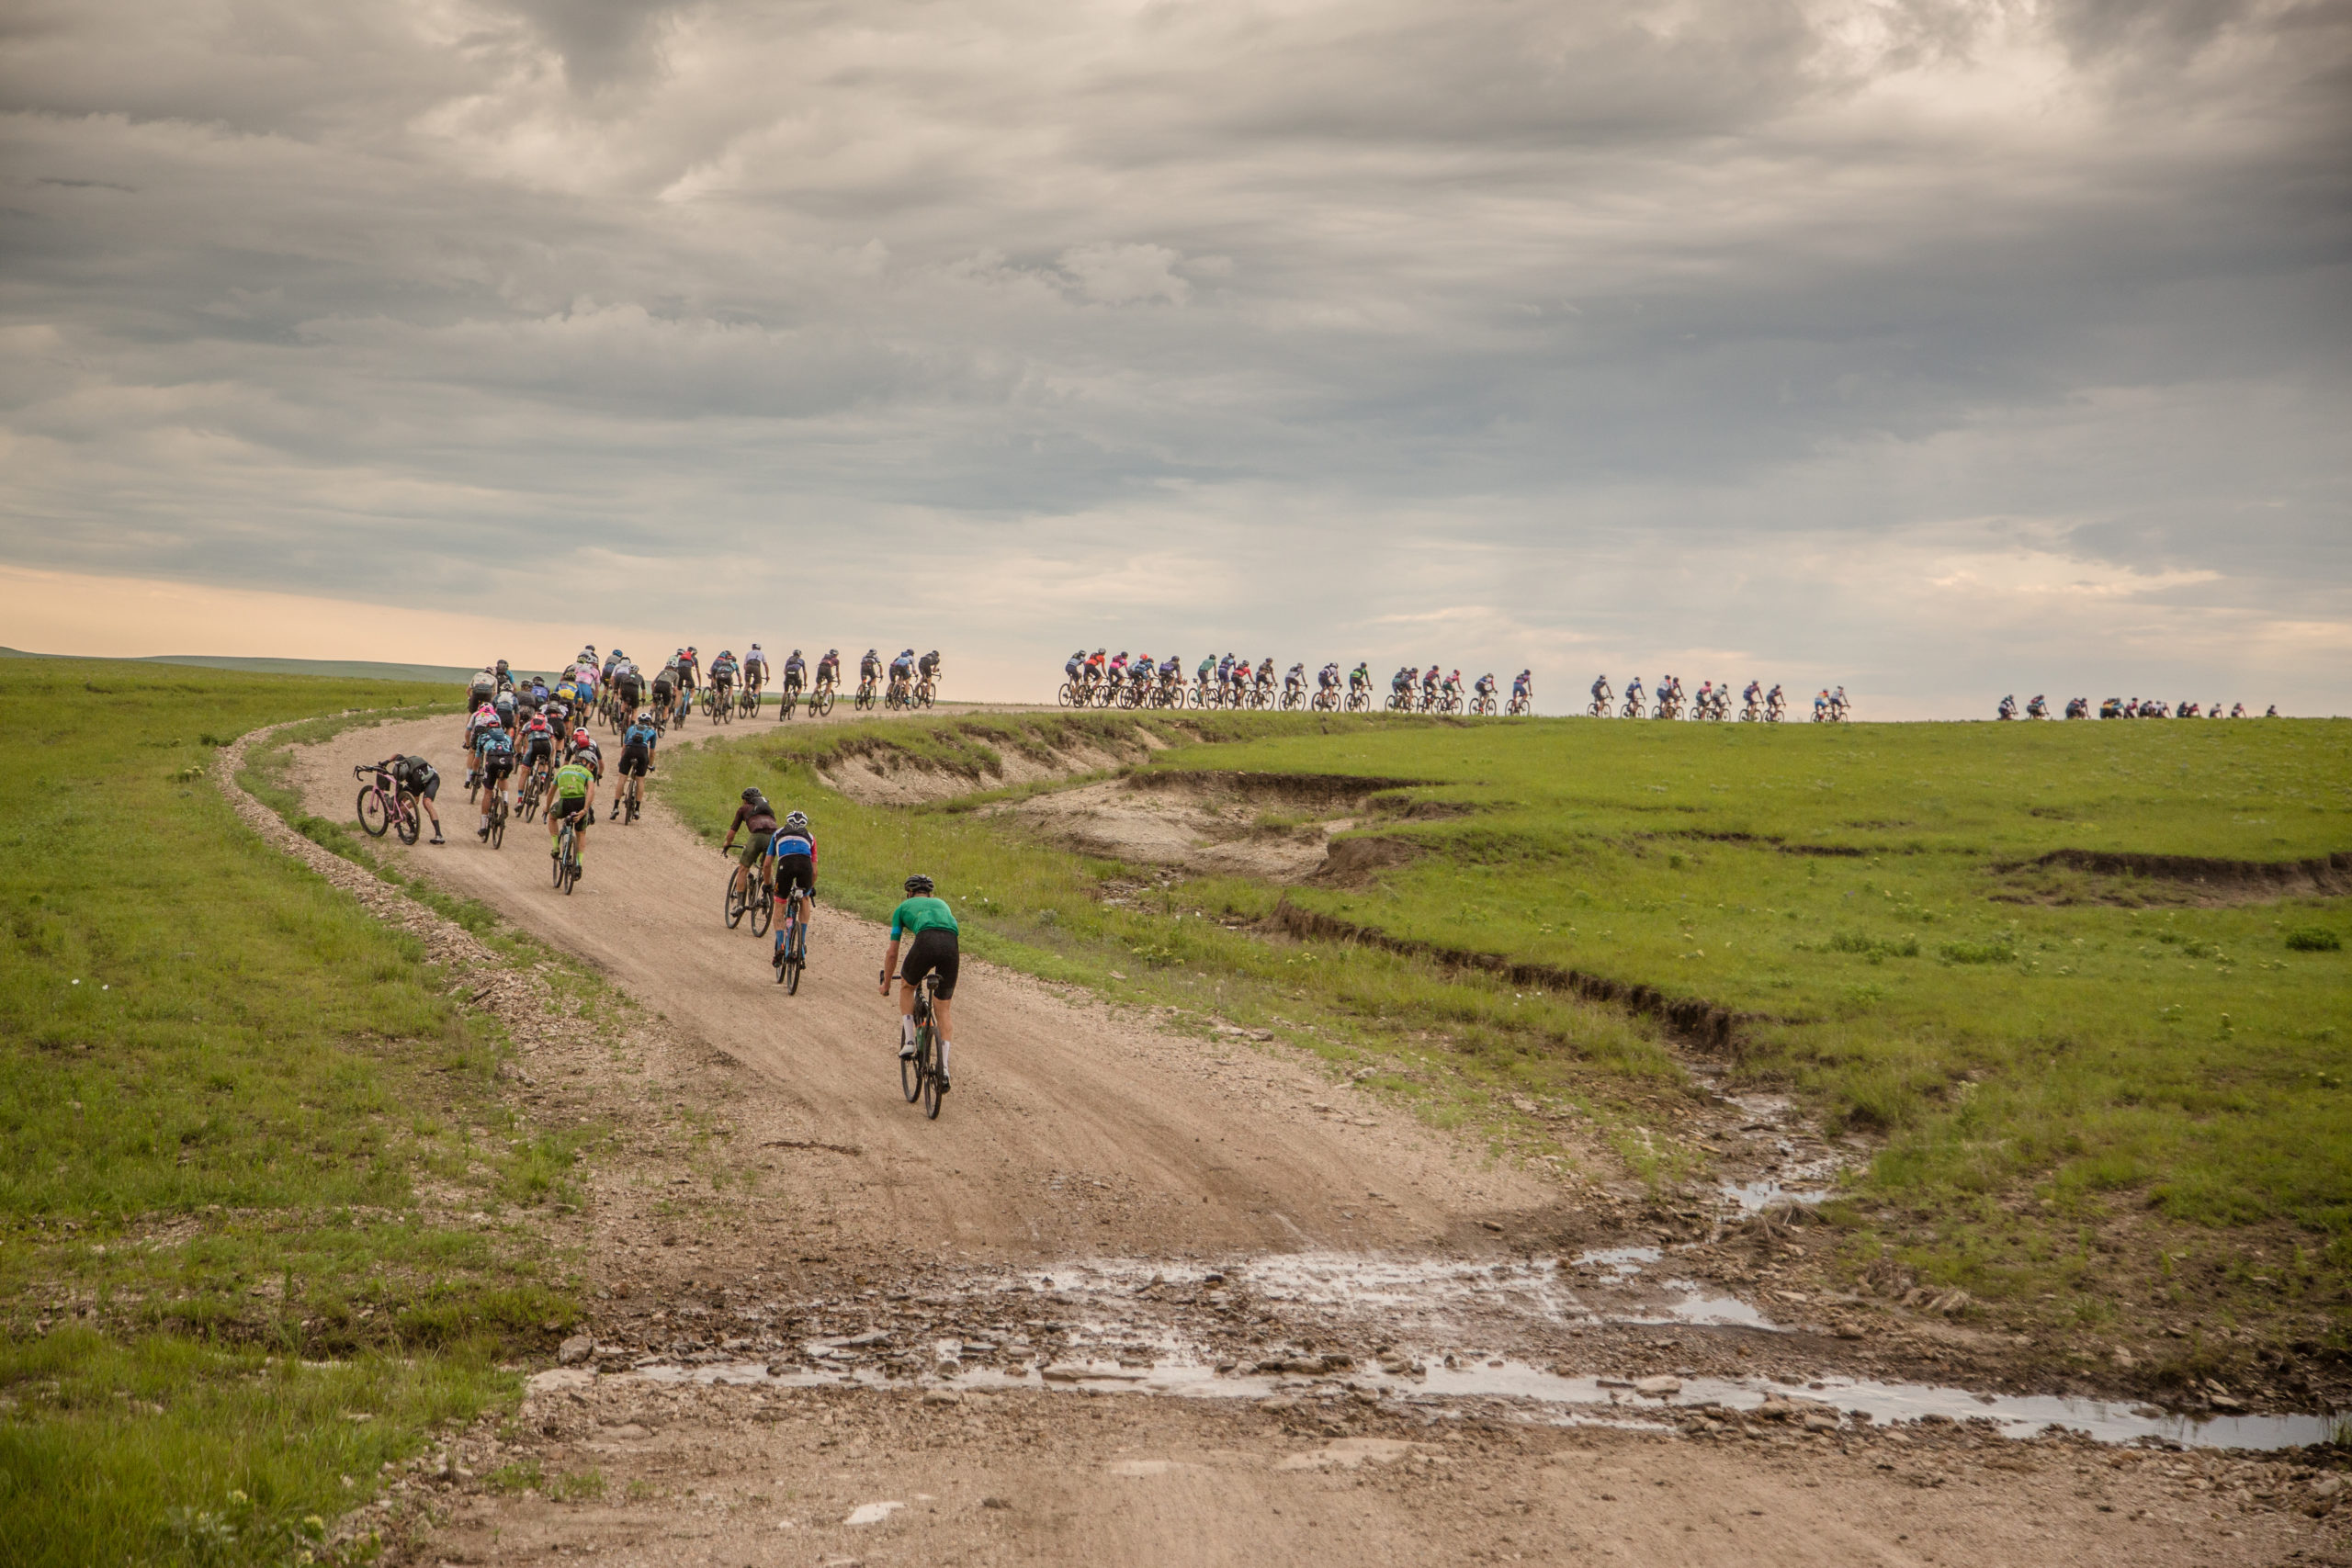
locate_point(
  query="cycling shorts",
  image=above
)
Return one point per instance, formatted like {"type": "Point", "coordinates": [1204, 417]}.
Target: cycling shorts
{"type": "Point", "coordinates": [932, 953]}
{"type": "Point", "coordinates": [794, 680]}
{"type": "Point", "coordinates": [570, 806]}
{"type": "Point", "coordinates": [663, 687]}
{"type": "Point", "coordinates": [539, 749]}
{"type": "Point", "coordinates": [794, 871]}
{"type": "Point", "coordinates": [423, 782]}
{"type": "Point", "coordinates": [756, 844]}
{"type": "Point", "coordinates": [497, 765]}
{"type": "Point", "coordinates": [635, 760]}
{"type": "Point", "coordinates": [722, 681]}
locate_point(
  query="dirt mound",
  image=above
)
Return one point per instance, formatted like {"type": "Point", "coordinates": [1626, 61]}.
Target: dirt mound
{"type": "Point", "coordinates": [988, 756]}
{"type": "Point", "coordinates": [2107, 877]}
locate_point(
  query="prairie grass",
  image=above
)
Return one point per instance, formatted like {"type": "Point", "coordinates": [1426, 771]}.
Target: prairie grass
{"type": "Point", "coordinates": [225, 1093]}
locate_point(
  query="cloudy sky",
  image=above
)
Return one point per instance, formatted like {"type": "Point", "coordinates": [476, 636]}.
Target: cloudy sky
{"type": "Point", "coordinates": [1940, 349]}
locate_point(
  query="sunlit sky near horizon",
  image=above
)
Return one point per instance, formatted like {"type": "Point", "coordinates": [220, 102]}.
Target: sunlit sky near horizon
{"type": "Point", "coordinates": [1940, 350]}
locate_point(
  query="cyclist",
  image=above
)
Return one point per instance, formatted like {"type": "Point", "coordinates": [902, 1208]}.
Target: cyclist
{"type": "Point", "coordinates": [1600, 690]}
{"type": "Point", "coordinates": [1360, 679]}
{"type": "Point", "coordinates": [1775, 703]}
{"type": "Point", "coordinates": [722, 675]}
{"type": "Point", "coordinates": [1837, 702]}
{"type": "Point", "coordinates": [505, 676]}
{"type": "Point", "coordinates": [1634, 695]}
{"type": "Point", "coordinates": [1172, 672]}
{"type": "Point", "coordinates": [1451, 687]}
{"type": "Point", "coordinates": [902, 671]}
{"type": "Point", "coordinates": [535, 743]}
{"type": "Point", "coordinates": [417, 776]}
{"type": "Point", "coordinates": [869, 670]}
{"type": "Point", "coordinates": [1328, 678]}
{"type": "Point", "coordinates": [1820, 705]}
{"type": "Point", "coordinates": [1755, 689]}
{"type": "Point", "coordinates": [665, 688]}
{"type": "Point", "coordinates": [1295, 681]}
{"type": "Point", "coordinates": [485, 718]}
{"type": "Point", "coordinates": [795, 672]}
{"type": "Point", "coordinates": [756, 670]}
{"type": "Point", "coordinates": [636, 753]}
{"type": "Point", "coordinates": [793, 848]}
{"type": "Point", "coordinates": [690, 666]}
{"type": "Point", "coordinates": [1118, 671]}
{"type": "Point", "coordinates": [583, 745]}
{"type": "Point", "coordinates": [1522, 687]}
{"type": "Point", "coordinates": [483, 687]}
{"type": "Point", "coordinates": [575, 800]}
{"type": "Point", "coordinates": [928, 667]}
{"type": "Point", "coordinates": [613, 661]}
{"type": "Point", "coordinates": [2008, 708]}
{"type": "Point", "coordinates": [1207, 672]}
{"type": "Point", "coordinates": [1400, 685]}
{"type": "Point", "coordinates": [495, 762]}
{"type": "Point", "coordinates": [754, 816]}
{"type": "Point", "coordinates": [932, 926]}
{"type": "Point", "coordinates": [1074, 669]}
{"type": "Point", "coordinates": [829, 669]}
{"type": "Point", "coordinates": [1265, 677]}
{"type": "Point", "coordinates": [504, 704]}
{"type": "Point", "coordinates": [629, 685]}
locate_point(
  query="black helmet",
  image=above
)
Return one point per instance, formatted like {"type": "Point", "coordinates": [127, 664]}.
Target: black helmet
{"type": "Point", "coordinates": [502, 667]}
{"type": "Point", "coordinates": [918, 883]}
{"type": "Point", "coordinates": [751, 794]}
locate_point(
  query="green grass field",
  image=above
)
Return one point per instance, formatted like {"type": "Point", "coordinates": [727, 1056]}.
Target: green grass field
{"type": "Point", "coordinates": [224, 1089]}
{"type": "Point", "coordinates": [2081, 1080]}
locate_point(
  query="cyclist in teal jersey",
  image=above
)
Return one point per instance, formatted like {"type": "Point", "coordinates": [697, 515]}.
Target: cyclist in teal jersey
{"type": "Point", "coordinates": [931, 925]}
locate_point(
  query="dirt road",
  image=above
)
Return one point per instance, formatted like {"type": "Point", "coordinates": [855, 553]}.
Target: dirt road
{"type": "Point", "coordinates": [829, 1332]}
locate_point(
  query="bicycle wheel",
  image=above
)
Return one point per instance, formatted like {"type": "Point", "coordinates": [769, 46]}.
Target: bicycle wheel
{"type": "Point", "coordinates": [822, 703]}
{"type": "Point", "coordinates": [735, 902]}
{"type": "Point", "coordinates": [372, 814]}
{"type": "Point", "coordinates": [762, 911]}
{"type": "Point", "coordinates": [555, 862]}
{"type": "Point", "coordinates": [570, 868]}
{"type": "Point", "coordinates": [796, 955]}
{"type": "Point", "coordinates": [498, 820]}
{"type": "Point", "coordinates": [913, 1071]}
{"type": "Point", "coordinates": [411, 821]}
{"type": "Point", "coordinates": [926, 1048]}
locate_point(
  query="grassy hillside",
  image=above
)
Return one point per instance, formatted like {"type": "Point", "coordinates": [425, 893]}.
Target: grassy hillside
{"type": "Point", "coordinates": [223, 1091]}
{"type": "Point", "coordinates": [2090, 1083]}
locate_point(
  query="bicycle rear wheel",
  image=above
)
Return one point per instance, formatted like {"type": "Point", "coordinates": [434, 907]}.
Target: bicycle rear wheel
{"type": "Point", "coordinates": [372, 814]}
{"type": "Point", "coordinates": [411, 821]}
{"type": "Point", "coordinates": [926, 1049]}
{"type": "Point", "coordinates": [762, 911]}
{"type": "Point", "coordinates": [735, 902]}
{"type": "Point", "coordinates": [796, 955]}
{"type": "Point", "coordinates": [913, 1071]}
{"type": "Point", "coordinates": [822, 703]}
{"type": "Point", "coordinates": [498, 820]}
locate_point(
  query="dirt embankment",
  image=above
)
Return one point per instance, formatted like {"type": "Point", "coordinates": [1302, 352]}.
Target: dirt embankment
{"type": "Point", "coordinates": [2112, 876]}
{"type": "Point", "coordinates": [1276, 827]}
{"type": "Point", "coordinates": [984, 755]}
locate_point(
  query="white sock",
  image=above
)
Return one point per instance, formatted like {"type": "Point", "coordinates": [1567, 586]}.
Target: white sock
{"type": "Point", "coordinates": [943, 1048]}
{"type": "Point", "coordinates": [906, 1029]}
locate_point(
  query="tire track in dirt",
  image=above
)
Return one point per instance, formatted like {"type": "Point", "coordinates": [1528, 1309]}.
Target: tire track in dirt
{"type": "Point", "coordinates": [1205, 1149]}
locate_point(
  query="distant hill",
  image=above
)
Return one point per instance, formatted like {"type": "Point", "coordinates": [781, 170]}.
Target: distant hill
{"type": "Point", "coordinates": [348, 668]}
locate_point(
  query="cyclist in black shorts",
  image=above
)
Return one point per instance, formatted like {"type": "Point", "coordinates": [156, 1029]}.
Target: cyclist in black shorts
{"type": "Point", "coordinates": [932, 925]}
{"type": "Point", "coordinates": [794, 850]}
{"type": "Point", "coordinates": [421, 780]}
{"type": "Point", "coordinates": [756, 818]}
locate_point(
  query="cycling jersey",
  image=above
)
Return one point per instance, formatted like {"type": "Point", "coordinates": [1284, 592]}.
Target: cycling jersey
{"type": "Point", "coordinates": [787, 843]}
{"type": "Point", "coordinates": [916, 916]}
{"type": "Point", "coordinates": [643, 735]}
{"type": "Point", "coordinates": [758, 817]}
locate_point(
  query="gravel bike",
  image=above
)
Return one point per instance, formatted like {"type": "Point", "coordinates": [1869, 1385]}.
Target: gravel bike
{"type": "Point", "coordinates": [567, 855]}
{"type": "Point", "coordinates": [794, 946]}
{"type": "Point", "coordinates": [1633, 708]}
{"type": "Point", "coordinates": [920, 1075]}
{"type": "Point", "coordinates": [533, 795]}
{"type": "Point", "coordinates": [744, 891]}
{"type": "Point", "coordinates": [896, 696]}
{"type": "Point", "coordinates": [497, 818]}
{"type": "Point", "coordinates": [1074, 694]}
{"type": "Point", "coordinates": [1598, 707]}
{"type": "Point", "coordinates": [748, 702]}
{"type": "Point", "coordinates": [384, 805]}
{"type": "Point", "coordinates": [787, 700]}
{"type": "Point", "coordinates": [821, 700]}
{"type": "Point", "coordinates": [1750, 714]}
{"type": "Point", "coordinates": [628, 796]}
{"type": "Point", "coordinates": [1520, 706]}
{"type": "Point", "coordinates": [1327, 700]}
{"type": "Point", "coordinates": [1359, 699]}
{"type": "Point", "coordinates": [925, 689]}
{"type": "Point", "coordinates": [864, 697]}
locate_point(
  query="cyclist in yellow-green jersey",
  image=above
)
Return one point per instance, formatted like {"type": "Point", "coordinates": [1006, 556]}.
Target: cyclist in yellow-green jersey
{"type": "Point", "coordinates": [575, 798]}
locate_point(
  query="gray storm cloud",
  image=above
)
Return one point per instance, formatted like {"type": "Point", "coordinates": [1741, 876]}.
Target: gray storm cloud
{"type": "Point", "coordinates": [1934, 348]}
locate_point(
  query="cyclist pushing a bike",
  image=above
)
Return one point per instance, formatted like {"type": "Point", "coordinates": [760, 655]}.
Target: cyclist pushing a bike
{"type": "Point", "coordinates": [794, 852]}
{"type": "Point", "coordinates": [932, 926]}
{"type": "Point", "coordinates": [417, 776]}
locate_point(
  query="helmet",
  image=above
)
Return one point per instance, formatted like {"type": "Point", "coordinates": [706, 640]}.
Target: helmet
{"type": "Point", "coordinates": [750, 793]}
{"type": "Point", "coordinates": [691, 648]}
{"type": "Point", "coordinates": [485, 708]}
{"type": "Point", "coordinates": [833, 653]}
{"type": "Point", "coordinates": [755, 648]}
{"type": "Point", "coordinates": [725, 654]}
{"type": "Point", "coordinates": [618, 654]}
{"type": "Point", "coordinates": [581, 738]}
{"type": "Point", "coordinates": [918, 883]}
{"type": "Point", "coordinates": [797, 821]}
{"type": "Point", "coordinates": [935, 653]}
{"type": "Point", "coordinates": [796, 653]}
{"type": "Point", "coordinates": [502, 667]}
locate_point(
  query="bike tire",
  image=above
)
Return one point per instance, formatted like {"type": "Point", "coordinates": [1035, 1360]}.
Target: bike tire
{"type": "Point", "coordinates": [733, 904]}
{"type": "Point", "coordinates": [498, 822]}
{"type": "Point", "coordinates": [571, 874]}
{"type": "Point", "coordinates": [372, 816]}
{"type": "Point", "coordinates": [796, 957]}
{"type": "Point", "coordinates": [763, 912]}
{"type": "Point", "coordinates": [926, 1043]}
{"type": "Point", "coordinates": [555, 864]}
{"type": "Point", "coordinates": [911, 1073]}
{"type": "Point", "coordinates": [412, 823]}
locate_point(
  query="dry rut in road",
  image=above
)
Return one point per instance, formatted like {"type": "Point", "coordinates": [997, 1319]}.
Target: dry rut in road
{"type": "Point", "coordinates": [1208, 1151]}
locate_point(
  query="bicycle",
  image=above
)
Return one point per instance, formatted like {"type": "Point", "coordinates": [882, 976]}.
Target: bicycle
{"type": "Point", "coordinates": [1481, 706]}
{"type": "Point", "coordinates": [1598, 707]}
{"type": "Point", "coordinates": [1072, 694]}
{"type": "Point", "coordinates": [1519, 708]}
{"type": "Point", "coordinates": [631, 794]}
{"type": "Point", "coordinates": [788, 701]}
{"type": "Point", "coordinates": [925, 689]}
{"type": "Point", "coordinates": [747, 702]}
{"type": "Point", "coordinates": [385, 806]}
{"type": "Point", "coordinates": [497, 818]}
{"type": "Point", "coordinates": [864, 697]}
{"type": "Point", "coordinates": [534, 786]}
{"type": "Point", "coordinates": [1358, 700]}
{"type": "Point", "coordinates": [795, 943]}
{"type": "Point", "coordinates": [820, 701]}
{"type": "Point", "coordinates": [920, 1075]}
{"type": "Point", "coordinates": [1326, 700]}
{"type": "Point", "coordinates": [1751, 714]}
{"type": "Point", "coordinates": [717, 705]}
{"type": "Point", "coordinates": [742, 888]}
{"type": "Point", "coordinates": [1633, 708]}
{"type": "Point", "coordinates": [896, 697]}
{"type": "Point", "coordinates": [566, 856]}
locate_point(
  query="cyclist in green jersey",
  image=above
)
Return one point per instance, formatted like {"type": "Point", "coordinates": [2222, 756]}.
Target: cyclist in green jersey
{"type": "Point", "coordinates": [575, 798]}
{"type": "Point", "coordinates": [932, 926]}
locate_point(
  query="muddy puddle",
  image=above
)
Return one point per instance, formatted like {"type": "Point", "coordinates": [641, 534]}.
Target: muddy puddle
{"type": "Point", "coordinates": [1113, 1325]}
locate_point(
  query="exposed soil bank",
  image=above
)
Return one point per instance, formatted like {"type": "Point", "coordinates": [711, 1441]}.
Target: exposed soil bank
{"type": "Point", "coordinates": [2212, 881]}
